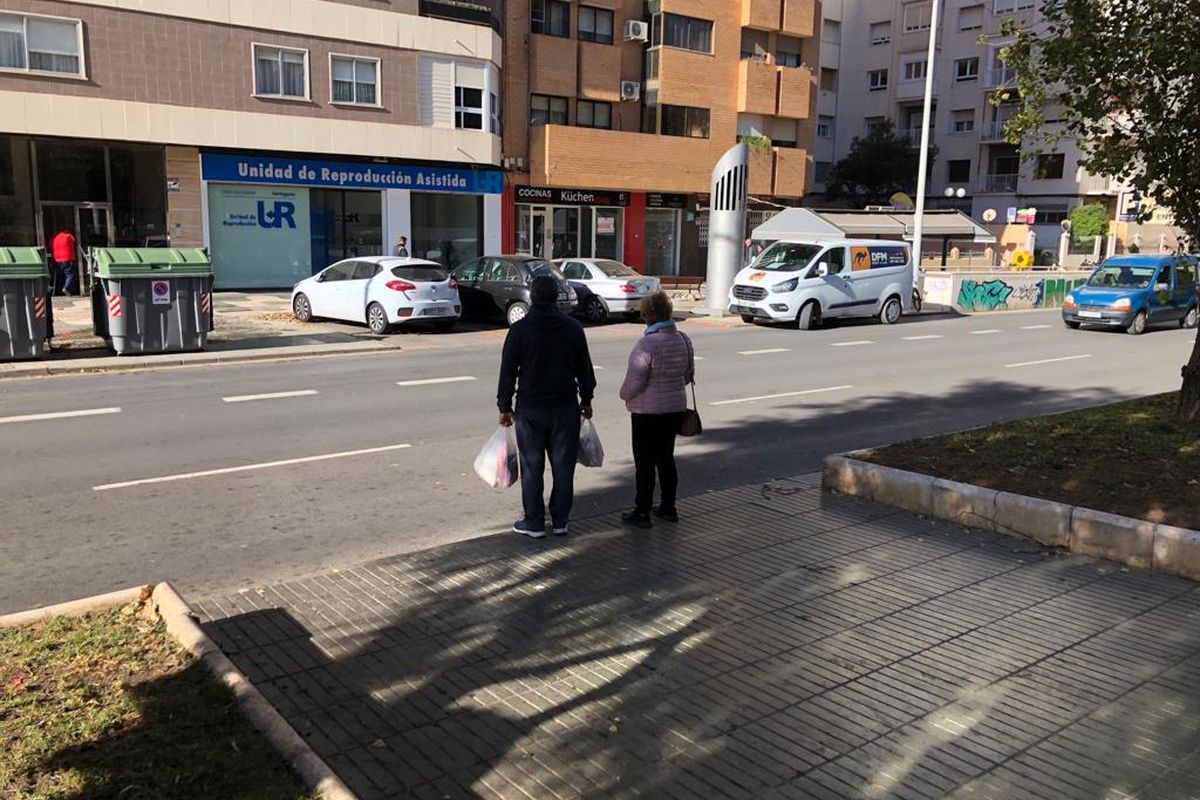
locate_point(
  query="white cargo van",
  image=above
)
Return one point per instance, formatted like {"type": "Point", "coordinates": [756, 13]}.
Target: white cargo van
{"type": "Point", "coordinates": [808, 281]}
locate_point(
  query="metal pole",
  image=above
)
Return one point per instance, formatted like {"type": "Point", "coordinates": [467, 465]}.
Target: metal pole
{"type": "Point", "coordinates": [923, 168]}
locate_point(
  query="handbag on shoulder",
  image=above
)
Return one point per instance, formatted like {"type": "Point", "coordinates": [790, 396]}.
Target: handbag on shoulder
{"type": "Point", "coordinates": [689, 423]}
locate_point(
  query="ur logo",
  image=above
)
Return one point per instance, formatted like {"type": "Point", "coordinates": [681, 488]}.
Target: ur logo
{"type": "Point", "coordinates": [281, 212]}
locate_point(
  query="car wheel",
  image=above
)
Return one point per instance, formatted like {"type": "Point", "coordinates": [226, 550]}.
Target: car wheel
{"type": "Point", "coordinates": [377, 319]}
{"type": "Point", "coordinates": [747, 318]}
{"type": "Point", "coordinates": [595, 310]}
{"type": "Point", "coordinates": [1072, 325]}
{"type": "Point", "coordinates": [1191, 318]}
{"type": "Point", "coordinates": [917, 300]}
{"type": "Point", "coordinates": [1138, 326]}
{"type": "Point", "coordinates": [302, 308]}
{"type": "Point", "coordinates": [809, 317]}
{"type": "Point", "coordinates": [516, 313]}
{"type": "Point", "coordinates": [445, 326]}
{"type": "Point", "coordinates": [891, 311]}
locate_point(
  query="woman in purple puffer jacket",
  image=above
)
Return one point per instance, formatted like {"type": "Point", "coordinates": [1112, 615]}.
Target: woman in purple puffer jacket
{"type": "Point", "coordinates": [661, 366]}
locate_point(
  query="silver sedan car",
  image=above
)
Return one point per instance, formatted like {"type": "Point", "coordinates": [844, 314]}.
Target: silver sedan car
{"type": "Point", "coordinates": [606, 288]}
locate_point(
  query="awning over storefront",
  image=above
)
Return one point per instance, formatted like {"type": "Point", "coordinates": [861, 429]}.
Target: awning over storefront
{"type": "Point", "coordinates": [806, 223]}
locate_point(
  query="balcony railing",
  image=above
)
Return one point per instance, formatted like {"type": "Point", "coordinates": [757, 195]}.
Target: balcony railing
{"type": "Point", "coordinates": [1002, 184]}
{"type": "Point", "coordinates": [993, 131]}
{"type": "Point", "coordinates": [912, 135]}
{"type": "Point", "coordinates": [906, 90]}
{"type": "Point", "coordinates": [1001, 76]}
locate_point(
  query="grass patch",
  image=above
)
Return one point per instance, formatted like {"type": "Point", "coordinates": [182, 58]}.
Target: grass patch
{"type": "Point", "coordinates": [109, 706]}
{"type": "Point", "coordinates": [1128, 458]}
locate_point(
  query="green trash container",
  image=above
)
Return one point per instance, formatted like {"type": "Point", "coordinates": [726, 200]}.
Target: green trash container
{"type": "Point", "coordinates": [24, 302]}
{"type": "Point", "coordinates": [152, 299]}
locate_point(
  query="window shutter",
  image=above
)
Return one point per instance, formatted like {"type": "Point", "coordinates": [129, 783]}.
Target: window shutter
{"type": "Point", "coordinates": [437, 92]}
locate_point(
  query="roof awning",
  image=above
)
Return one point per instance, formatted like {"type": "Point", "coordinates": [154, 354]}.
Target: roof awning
{"type": "Point", "coordinates": [806, 223]}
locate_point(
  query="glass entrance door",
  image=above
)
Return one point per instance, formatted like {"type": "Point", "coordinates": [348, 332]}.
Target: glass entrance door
{"type": "Point", "coordinates": [662, 241]}
{"type": "Point", "coordinates": [90, 223]}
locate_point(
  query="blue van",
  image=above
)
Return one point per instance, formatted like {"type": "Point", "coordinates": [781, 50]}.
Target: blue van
{"type": "Point", "coordinates": [1134, 292]}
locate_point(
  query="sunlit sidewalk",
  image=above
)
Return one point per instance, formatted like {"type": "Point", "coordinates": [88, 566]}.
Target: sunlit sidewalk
{"type": "Point", "coordinates": [779, 642]}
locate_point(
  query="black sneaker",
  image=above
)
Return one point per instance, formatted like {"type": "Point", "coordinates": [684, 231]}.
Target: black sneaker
{"type": "Point", "coordinates": [670, 515]}
{"type": "Point", "coordinates": [638, 519]}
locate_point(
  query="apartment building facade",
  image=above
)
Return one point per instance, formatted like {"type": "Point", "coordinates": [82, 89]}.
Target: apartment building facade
{"type": "Point", "coordinates": [873, 67]}
{"type": "Point", "coordinates": [281, 134]}
{"type": "Point", "coordinates": [616, 111]}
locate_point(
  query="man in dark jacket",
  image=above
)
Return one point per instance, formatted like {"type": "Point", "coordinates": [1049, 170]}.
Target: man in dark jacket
{"type": "Point", "coordinates": [547, 365]}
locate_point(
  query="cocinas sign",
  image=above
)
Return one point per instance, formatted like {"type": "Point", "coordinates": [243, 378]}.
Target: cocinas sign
{"type": "Point", "coordinates": [570, 197]}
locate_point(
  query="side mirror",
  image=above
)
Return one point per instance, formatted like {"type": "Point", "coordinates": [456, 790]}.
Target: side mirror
{"type": "Point", "coordinates": [1162, 287]}
{"type": "Point", "coordinates": [319, 277]}
{"type": "Point", "coordinates": [822, 269]}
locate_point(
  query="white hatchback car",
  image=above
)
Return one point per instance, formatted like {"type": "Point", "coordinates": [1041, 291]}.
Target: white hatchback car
{"type": "Point", "coordinates": [382, 291]}
{"type": "Point", "coordinates": [606, 288]}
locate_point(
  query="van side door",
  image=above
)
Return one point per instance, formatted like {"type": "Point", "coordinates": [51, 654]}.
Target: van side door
{"type": "Point", "coordinates": [838, 294]}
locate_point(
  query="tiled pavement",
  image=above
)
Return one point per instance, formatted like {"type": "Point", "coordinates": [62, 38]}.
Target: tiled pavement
{"type": "Point", "coordinates": [779, 643]}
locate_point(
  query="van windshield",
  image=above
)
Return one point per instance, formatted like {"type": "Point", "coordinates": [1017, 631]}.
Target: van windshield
{"type": "Point", "coordinates": [786, 257]}
{"type": "Point", "coordinates": [1122, 276]}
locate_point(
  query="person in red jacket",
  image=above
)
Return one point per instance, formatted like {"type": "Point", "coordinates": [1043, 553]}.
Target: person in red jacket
{"type": "Point", "coordinates": [62, 250]}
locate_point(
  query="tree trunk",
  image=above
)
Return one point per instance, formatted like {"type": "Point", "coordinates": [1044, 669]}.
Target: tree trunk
{"type": "Point", "coordinates": [1189, 394]}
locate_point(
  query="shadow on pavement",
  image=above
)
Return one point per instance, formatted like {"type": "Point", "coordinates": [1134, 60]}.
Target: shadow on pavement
{"type": "Point", "coordinates": [778, 643]}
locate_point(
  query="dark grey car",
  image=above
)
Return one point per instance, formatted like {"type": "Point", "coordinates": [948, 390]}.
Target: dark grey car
{"type": "Point", "coordinates": [497, 287]}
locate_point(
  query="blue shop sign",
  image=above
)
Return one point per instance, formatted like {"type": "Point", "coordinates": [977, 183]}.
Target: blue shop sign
{"type": "Point", "coordinates": [224, 168]}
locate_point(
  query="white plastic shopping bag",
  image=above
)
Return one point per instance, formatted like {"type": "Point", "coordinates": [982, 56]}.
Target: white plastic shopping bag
{"type": "Point", "coordinates": [496, 463]}
{"type": "Point", "coordinates": [591, 452]}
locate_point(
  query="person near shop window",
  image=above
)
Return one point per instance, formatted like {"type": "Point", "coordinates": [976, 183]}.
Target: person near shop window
{"type": "Point", "coordinates": [401, 248]}
{"type": "Point", "coordinates": [62, 250]}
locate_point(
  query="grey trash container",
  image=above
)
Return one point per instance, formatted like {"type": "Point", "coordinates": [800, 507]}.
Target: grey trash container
{"type": "Point", "coordinates": [24, 302]}
{"type": "Point", "coordinates": [152, 299]}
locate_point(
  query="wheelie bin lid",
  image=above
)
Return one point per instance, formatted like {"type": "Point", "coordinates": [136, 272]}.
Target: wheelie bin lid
{"type": "Point", "coordinates": [130, 262]}
{"type": "Point", "coordinates": [23, 262]}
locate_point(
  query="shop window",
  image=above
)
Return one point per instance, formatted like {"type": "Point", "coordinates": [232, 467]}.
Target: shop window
{"type": "Point", "coordinates": [41, 44]}
{"type": "Point", "coordinates": [877, 80]}
{"type": "Point", "coordinates": [595, 25]}
{"type": "Point", "coordinates": [551, 17]}
{"type": "Point", "coordinates": [686, 33]}
{"type": "Point", "coordinates": [139, 200]}
{"type": "Point", "coordinates": [280, 72]}
{"type": "Point", "coordinates": [345, 223]}
{"type": "Point", "coordinates": [1050, 166]}
{"type": "Point", "coordinates": [958, 171]}
{"type": "Point", "coordinates": [71, 171]}
{"type": "Point", "coordinates": [966, 69]}
{"type": "Point", "coordinates": [446, 228]}
{"type": "Point", "coordinates": [685, 121]}
{"type": "Point", "coordinates": [1051, 213]}
{"type": "Point", "coordinates": [547, 110]}
{"type": "Point", "coordinates": [355, 80]}
{"type": "Point", "coordinates": [591, 114]}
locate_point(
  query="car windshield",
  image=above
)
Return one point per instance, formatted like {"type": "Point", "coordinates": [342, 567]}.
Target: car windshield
{"type": "Point", "coordinates": [786, 257]}
{"type": "Point", "coordinates": [615, 269]}
{"type": "Point", "coordinates": [1122, 276]}
{"type": "Point", "coordinates": [419, 273]}
{"type": "Point", "coordinates": [539, 268]}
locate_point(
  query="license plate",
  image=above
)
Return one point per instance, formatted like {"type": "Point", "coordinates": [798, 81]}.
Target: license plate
{"type": "Point", "coordinates": [435, 312]}
{"type": "Point", "coordinates": [743, 309]}
{"type": "Point", "coordinates": [1091, 315]}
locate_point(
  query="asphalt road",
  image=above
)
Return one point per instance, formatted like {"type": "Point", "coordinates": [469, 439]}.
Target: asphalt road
{"type": "Point", "coordinates": [110, 496]}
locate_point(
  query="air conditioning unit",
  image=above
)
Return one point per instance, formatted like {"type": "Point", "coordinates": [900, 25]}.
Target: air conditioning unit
{"type": "Point", "coordinates": [631, 91]}
{"type": "Point", "coordinates": [636, 30]}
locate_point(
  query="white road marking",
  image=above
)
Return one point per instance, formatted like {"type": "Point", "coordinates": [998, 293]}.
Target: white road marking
{"type": "Point", "coordinates": [923, 338]}
{"type": "Point", "coordinates": [87, 412]}
{"type": "Point", "coordinates": [431, 381]}
{"type": "Point", "coordinates": [1046, 361]}
{"type": "Point", "coordinates": [764, 352]}
{"type": "Point", "coordinates": [985, 331]}
{"type": "Point", "coordinates": [1035, 327]}
{"type": "Point", "coordinates": [782, 394]}
{"type": "Point", "coordinates": [248, 467]}
{"type": "Point", "coordinates": [246, 398]}
{"type": "Point", "coordinates": [851, 344]}
{"type": "Point", "coordinates": [698, 358]}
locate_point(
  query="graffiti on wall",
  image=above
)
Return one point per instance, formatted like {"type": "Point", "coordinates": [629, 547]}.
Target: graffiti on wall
{"type": "Point", "coordinates": [983, 295]}
{"type": "Point", "coordinates": [1012, 292]}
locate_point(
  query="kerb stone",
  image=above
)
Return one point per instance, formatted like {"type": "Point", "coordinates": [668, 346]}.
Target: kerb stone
{"type": "Point", "coordinates": [1042, 520]}
{"type": "Point", "coordinates": [964, 503]}
{"type": "Point", "coordinates": [1177, 551]}
{"type": "Point", "coordinates": [1122, 539]}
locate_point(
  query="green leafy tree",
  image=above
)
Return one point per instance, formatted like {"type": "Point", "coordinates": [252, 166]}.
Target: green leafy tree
{"type": "Point", "coordinates": [1122, 79]}
{"type": "Point", "coordinates": [877, 166]}
{"type": "Point", "coordinates": [1089, 221]}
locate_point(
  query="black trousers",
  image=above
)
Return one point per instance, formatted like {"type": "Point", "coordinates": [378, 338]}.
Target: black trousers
{"type": "Point", "coordinates": [654, 452]}
{"type": "Point", "coordinates": [552, 431]}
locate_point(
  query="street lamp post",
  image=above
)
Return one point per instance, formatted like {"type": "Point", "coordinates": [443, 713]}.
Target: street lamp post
{"type": "Point", "coordinates": [923, 167]}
